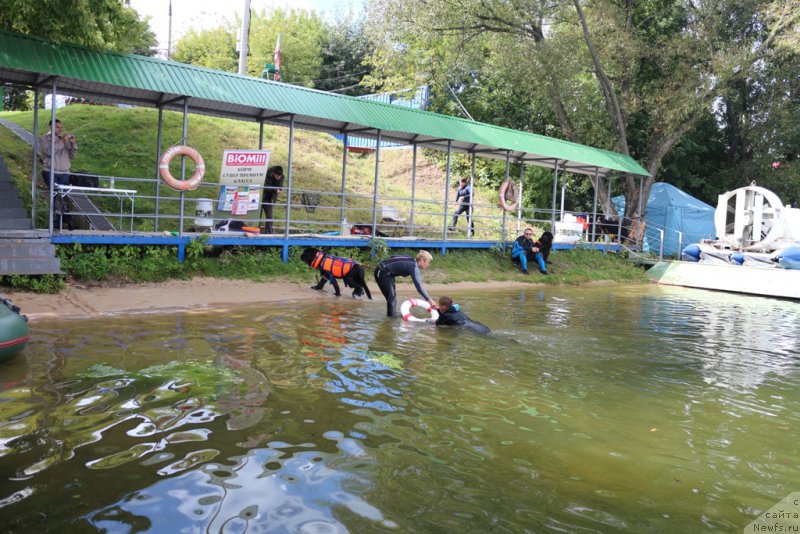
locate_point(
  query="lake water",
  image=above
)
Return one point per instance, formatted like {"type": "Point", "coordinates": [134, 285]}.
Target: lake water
{"type": "Point", "coordinates": [591, 409]}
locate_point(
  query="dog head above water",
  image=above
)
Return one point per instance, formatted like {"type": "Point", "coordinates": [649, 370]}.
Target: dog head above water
{"type": "Point", "coordinates": [309, 254]}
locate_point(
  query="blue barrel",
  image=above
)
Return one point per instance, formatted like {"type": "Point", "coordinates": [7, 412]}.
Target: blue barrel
{"type": "Point", "coordinates": [691, 253]}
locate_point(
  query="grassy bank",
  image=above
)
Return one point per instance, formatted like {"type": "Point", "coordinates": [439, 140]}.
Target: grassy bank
{"type": "Point", "coordinates": [117, 265]}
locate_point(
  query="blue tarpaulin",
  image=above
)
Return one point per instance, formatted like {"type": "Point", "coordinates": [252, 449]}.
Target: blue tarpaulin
{"type": "Point", "coordinates": [672, 210]}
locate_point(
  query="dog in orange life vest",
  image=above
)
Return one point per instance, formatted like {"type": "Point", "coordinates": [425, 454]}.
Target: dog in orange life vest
{"type": "Point", "coordinates": [333, 267]}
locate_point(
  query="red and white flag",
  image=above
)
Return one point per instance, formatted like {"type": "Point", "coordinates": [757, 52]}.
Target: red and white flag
{"type": "Point", "coordinates": [277, 59]}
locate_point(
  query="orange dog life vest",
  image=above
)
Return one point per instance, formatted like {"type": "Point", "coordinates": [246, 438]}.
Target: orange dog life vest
{"type": "Point", "coordinates": [338, 267]}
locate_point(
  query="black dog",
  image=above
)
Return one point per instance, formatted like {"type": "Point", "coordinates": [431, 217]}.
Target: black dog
{"type": "Point", "coordinates": [333, 267]}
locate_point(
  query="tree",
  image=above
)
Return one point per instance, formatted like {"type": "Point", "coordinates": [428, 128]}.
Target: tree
{"type": "Point", "coordinates": [214, 48]}
{"type": "Point", "coordinates": [96, 24]}
{"type": "Point", "coordinates": [631, 77]}
{"type": "Point", "coordinates": [345, 48]}
{"type": "Point", "coordinates": [302, 33]}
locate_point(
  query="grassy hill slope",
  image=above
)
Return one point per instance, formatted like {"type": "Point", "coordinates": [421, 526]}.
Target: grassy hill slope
{"type": "Point", "coordinates": [122, 142]}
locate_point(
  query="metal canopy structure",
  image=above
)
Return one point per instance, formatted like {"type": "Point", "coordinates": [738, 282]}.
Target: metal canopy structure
{"type": "Point", "coordinates": [32, 62]}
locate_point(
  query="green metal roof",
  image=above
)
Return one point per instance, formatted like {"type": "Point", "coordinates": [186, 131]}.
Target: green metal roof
{"type": "Point", "coordinates": [32, 62]}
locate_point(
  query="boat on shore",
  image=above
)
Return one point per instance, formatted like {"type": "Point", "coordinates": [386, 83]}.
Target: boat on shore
{"type": "Point", "coordinates": [756, 252]}
{"type": "Point", "coordinates": [777, 282]}
{"type": "Point", "coordinates": [14, 331]}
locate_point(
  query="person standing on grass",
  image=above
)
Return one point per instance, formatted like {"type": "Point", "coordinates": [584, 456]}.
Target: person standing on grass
{"type": "Point", "coordinates": [390, 268]}
{"type": "Point", "coordinates": [464, 201]}
{"type": "Point", "coordinates": [64, 152]}
{"type": "Point", "coordinates": [59, 161]}
{"type": "Point", "coordinates": [273, 183]}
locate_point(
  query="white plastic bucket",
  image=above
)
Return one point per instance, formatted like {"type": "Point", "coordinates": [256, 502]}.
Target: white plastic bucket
{"type": "Point", "coordinates": [204, 213]}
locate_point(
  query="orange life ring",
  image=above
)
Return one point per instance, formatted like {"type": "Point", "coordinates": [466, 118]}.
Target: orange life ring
{"type": "Point", "coordinates": [504, 202]}
{"type": "Point", "coordinates": [174, 183]}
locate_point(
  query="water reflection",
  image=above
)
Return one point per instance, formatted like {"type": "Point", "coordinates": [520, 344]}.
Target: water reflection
{"type": "Point", "coordinates": [597, 409]}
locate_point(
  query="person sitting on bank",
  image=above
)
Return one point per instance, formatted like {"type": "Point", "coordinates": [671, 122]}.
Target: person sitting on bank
{"type": "Point", "coordinates": [390, 268]}
{"type": "Point", "coordinates": [450, 314]}
{"type": "Point", "coordinates": [525, 250]}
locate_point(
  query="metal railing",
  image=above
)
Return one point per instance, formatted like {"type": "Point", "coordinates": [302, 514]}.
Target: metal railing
{"type": "Point", "coordinates": [155, 209]}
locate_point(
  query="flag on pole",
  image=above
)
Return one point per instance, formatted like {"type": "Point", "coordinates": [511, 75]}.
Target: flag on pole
{"type": "Point", "coordinates": [277, 59]}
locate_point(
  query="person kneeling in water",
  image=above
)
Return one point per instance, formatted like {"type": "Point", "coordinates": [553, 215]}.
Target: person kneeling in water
{"type": "Point", "coordinates": [450, 314]}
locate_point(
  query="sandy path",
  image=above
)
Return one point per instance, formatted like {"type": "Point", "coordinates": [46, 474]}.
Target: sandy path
{"type": "Point", "coordinates": [79, 302]}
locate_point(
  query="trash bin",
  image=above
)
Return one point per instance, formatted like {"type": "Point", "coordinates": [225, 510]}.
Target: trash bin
{"type": "Point", "coordinates": [204, 214]}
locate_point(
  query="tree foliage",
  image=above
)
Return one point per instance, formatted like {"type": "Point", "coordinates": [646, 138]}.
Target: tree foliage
{"type": "Point", "coordinates": [345, 48]}
{"type": "Point", "coordinates": [634, 77]}
{"type": "Point", "coordinates": [302, 33]}
{"type": "Point", "coordinates": [326, 56]}
{"type": "Point", "coordinates": [213, 48]}
{"type": "Point", "coordinates": [96, 24]}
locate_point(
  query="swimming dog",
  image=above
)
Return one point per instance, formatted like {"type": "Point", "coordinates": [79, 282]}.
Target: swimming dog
{"type": "Point", "coordinates": [333, 267]}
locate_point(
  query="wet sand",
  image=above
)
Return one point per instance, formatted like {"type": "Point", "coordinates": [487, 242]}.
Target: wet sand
{"type": "Point", "coordinates": [81, 302]}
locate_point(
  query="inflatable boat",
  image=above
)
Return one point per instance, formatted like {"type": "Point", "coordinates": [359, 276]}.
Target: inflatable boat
{"type": "Point", "coordinates": [14, 332]}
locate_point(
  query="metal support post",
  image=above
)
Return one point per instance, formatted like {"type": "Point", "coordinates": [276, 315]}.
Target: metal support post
{"type": "Point", "coordinates": [375, 185]}
{"type": "Point", "coordinates": [446, 194]}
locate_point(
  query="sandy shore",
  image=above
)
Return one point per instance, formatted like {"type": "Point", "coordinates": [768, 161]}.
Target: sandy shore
{"type": "Point", "coordinates": [79, 302]}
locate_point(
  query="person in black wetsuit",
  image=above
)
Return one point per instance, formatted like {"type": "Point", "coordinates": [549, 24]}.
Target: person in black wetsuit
{"type": "Point", "coordinates": [450, 314]}
{"type": "Point", "coordinates": [390, 268]}
{"type": "Point", "coordinates": [463, 201]}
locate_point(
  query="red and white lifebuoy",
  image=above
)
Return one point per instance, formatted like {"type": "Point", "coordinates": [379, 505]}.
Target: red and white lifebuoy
{"type": "Point", "coordinates": [182, 185]}
{"type": "Point", "coordinates": [508, 204]}
{"type": "Point", "coordinates": [405, 310]}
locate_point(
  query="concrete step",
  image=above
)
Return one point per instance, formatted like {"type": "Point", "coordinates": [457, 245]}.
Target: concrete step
{"type": "Point", "coordinates": [11, 200]}
{"type": "Point", "coordinates": [28, 256]}
{"type": "Point", "coordinates": [15, 224]}
{"type": "Point", "coordinates": [13, 213]}
{"type": "Point", "coordinates": [27, 233]}
{"type": "Point", "coordinates": [19, 248]}
{"type": "Point", "coordinates": [28, 265]}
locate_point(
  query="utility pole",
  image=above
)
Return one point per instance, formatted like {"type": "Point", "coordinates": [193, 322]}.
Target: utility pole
{"type": "Point", "coordinates": [169, 32]}
{"type": "Point", "coordinates": [245, 38]}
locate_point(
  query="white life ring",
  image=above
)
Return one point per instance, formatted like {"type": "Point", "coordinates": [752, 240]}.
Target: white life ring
{"type": "Point", "coordinates": [174, 183]}
{"type": "Point", "coordinates": [504, 202]}
{"type": "Point", "coordinates": [405, 310]}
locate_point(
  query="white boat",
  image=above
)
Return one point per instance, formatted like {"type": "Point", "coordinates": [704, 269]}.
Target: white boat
{"type": "Point", "coordinates": [756, 252]}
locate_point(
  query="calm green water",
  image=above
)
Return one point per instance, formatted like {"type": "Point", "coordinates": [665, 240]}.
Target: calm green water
{"type": "Point", "coordinates": [603, 409]}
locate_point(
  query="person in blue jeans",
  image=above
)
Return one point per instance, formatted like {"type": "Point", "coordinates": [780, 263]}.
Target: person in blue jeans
{"type": "Point", "coordinates": [526, 249]}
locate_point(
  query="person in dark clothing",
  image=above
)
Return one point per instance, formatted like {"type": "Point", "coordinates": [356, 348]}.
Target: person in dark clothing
{"type": "Point", "coordinates": [450, 314]}
{"type": "Point", "coordinates": [464, 200]}
{"type": "Point", "coordinates": [273, 183]}
{"type": "Point", "coordinates": [525, 250]}
{"type": "Point", "coordinates": [390, 268]}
